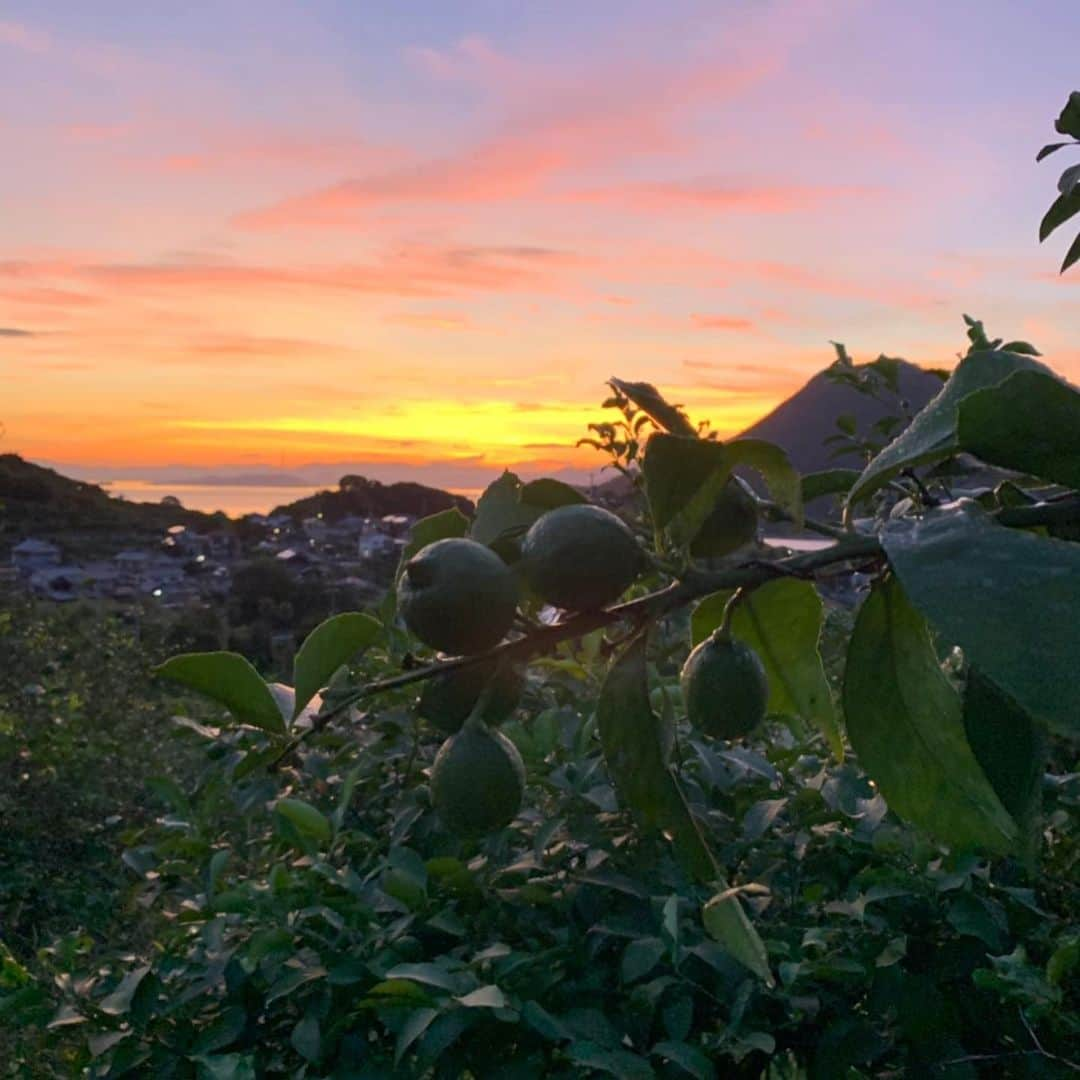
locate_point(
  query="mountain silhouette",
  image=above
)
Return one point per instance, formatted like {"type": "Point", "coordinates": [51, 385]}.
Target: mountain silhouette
{"type": "Point", "coordinates": [803, 422]}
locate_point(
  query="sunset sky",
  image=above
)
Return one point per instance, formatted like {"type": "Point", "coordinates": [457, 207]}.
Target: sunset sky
{"type": "Point", "coordinates": [417, 237]}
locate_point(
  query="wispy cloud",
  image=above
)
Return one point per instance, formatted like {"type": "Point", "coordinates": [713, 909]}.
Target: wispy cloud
{"type": "Point", "coordinates": [721, 196]}
{"type": "Point", "coordinates": [15, 332]}
{"type": "Point", "coordinates": [419, 270]}
{"type": "Point", "coordinates": [556, 125]}
{"type": "Point", "coordinates": [430, 320]}
{"type": "Point", "coordinates": [721, 322]}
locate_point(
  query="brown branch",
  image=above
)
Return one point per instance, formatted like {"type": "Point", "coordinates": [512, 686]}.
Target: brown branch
{"type": "Point", "coordinates": [654, 605]}
{"type": "Point", "coordinates": [694, 585]}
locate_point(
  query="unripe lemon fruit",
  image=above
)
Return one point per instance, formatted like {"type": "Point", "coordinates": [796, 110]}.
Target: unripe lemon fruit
{"type": "Point", "coordinates": [724, 687]}
{"type": "Point", "coordinates": [447, 700]}
{"type": "Point", "coordinates": [580, 557]}
{"type": "Point", "coordinates": [457, 596]}
{"type": "Point", "coordinates": [477, 780]}
{"type": "Point", "coordinates": [732, 523]}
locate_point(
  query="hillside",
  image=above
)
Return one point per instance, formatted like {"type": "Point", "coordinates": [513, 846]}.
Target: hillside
{"type": "Point", "coordinates": [370, 498]}
{"type": "Point", "coordinates": [40, 502]}
{"type": "Point", "coordinates": [802, 423]}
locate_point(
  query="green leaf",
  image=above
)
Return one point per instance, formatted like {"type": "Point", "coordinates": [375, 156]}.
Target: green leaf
{"type": "Point", "coordinates": [1050, 148]}
{"type": "Point", "coordinates": [774, 466]}
{"type": "Point", "coordinates": [1024, 347]}
{"type": "Point", "coordinates": [119, 1001]}
{"type": "Point", "coordinates": [781, 621]}
{"type": "Point", "coordinates": [332, 643]}
{"type": "Point", "coordinates": [542, 1022]}
{"type": "Point", "coordinates": [1069, 180]}
{"type": "Point", "coordinates": [484, 997]}
{"type": "Point", "coordinates": [633, 743]}
{"type": "Point", "coordinates": [647, 398]}
{"type": "Point", "coordinates": [828, 482]}
{"type": "Point", "coordinates": [306, 1038]}
{"type": "Point", "coordinates": [429, 975]}
{"type": "Point", "coordinates": [979, 917]}
{"type": "Point", "coordinates": [904, 721]}
{"type": "Point", "coordinates": [225, 1067]}
{"type": "Point", "coordinates": [1071, 255]}
{"type": "Point", "coordinates": [1068, 122]}
{"type": "Point", "coordinates": [308, 821]}
{"type": "Point", "coordinates": [1064, 961]}
{"type": "Point", "coordinates": [1061, 209]}
{"type": "Point", "coordinates": [547, 494]}
{"type": "Point", "coordinates": [1029, 423]}
{"type": "Point", "coordinates": [415, 1026]}
{"type": "Point", "coordinates": [931, 436]}
{"type": "Point", "coordinates": [445, 525]}
{"type": "Point", "coordinates": [213, 873]}
{"type": "Point", "coordinates": [725, 921]}
{"type": "Point", "coordinates": [619, 1063]}
{"type": "Point", "coordinates": [228, 678]}
{"type": "Point", "coordinates": [499, 510]}
{"type": "Point", "coordinates": [688, 1058]}
{"type": "Point", "coordinates": [640, 957]}
{"type": "Point", "coordinates": [1007, 597]}
{"type": "Point", "coordinates": [684, 477]}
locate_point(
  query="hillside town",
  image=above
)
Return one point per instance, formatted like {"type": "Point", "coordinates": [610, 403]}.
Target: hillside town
{"type": "Point", "coordinates": [188, 566]}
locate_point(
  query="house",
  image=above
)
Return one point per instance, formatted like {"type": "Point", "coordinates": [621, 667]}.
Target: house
{"type": "Point", "coordinates": [314, 528]}
{"type": "Point", "coordinates": [130, 561]}
{"type": "Point", "coordinates": [375, 545]}
{"type": "Point", "coordinates": [352, 524]}
{"type": "Point", "coordinates": [32, 555]}
{"type": "Point", "coordinates": [221, 545]}
{"type": "Point", "coordinates": [59, 583]}
{"type": "Point", "coordinates": [396, 524]}
{"type": "Point", "coordinates": [186, 542]}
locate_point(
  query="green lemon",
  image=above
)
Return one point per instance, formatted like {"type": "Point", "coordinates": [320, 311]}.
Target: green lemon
{"type": "Point", "coordinates": [457, 596]}
{"type": "Point", "coordinates": [724, 687]}
{"type": "Point", "coordinates": [447, 700]}
{"type": "Point", "coordinates": [732, 523]}
{"type": "Point", "coordinates": [477, 780]}
{"type": "Point", "coordinates": [580, 557]}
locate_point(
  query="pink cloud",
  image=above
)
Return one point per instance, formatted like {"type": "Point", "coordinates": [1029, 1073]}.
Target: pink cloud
{"type": "Point", "coordinates": [410, 270]}
{"type": "Point", "coordinates": [555, 125]}
{"type": "Point", "coordinates": [95, 133]}
{"type": "Point", "coordinates": [719, 196]}
{"type": "Point", "coordinates": [721, 322]}
{"type": "Point", "coordinates": [22, 37]}
{"type": "Point", "coordinates": [238, 149]}
{"type": "Point", "coordinates": [45, 297]}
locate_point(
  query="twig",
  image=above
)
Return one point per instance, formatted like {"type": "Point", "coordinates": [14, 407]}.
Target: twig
{"type": "Point", "coordinates": [924, 492]}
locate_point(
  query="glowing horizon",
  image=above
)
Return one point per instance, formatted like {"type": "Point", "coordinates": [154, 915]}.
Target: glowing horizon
{"type": "Point", "coordinates": [425, 239]}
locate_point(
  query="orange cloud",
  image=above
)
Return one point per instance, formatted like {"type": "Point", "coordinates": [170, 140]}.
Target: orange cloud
{"type": "Point", "coordinates": [431, 320]}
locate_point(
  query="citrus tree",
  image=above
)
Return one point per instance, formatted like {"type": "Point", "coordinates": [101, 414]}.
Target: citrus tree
{"type": "Point", "coordinates": [593, 793]}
